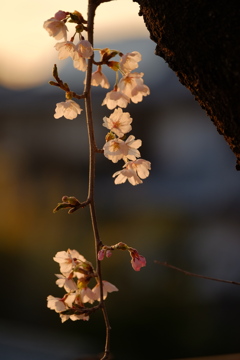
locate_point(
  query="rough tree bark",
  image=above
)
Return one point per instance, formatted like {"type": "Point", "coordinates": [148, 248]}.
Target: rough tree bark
{"type": "Point", "coordinates": [200, 41]}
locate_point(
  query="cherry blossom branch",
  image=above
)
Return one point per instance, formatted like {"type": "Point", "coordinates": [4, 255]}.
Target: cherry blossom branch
{"type": "Point", "coordinates": [76, 271]}
{"type": "Point", "coordinates": [92, 5]}
{"type": "Point", "coordinates": [195, 275]}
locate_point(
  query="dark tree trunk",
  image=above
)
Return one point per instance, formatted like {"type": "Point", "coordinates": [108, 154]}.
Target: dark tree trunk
{"type": "Point", "coordinates": [200, 41]}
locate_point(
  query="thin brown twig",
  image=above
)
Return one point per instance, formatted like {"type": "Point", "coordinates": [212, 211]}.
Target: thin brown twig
{"type": "Point", "coordinates": [164, 263]}
{"type": "Point", "coordinates": [64, 86]}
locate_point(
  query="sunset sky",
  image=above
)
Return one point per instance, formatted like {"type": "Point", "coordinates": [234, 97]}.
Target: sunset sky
{"type": "Point", "coordinates": [27, 51]}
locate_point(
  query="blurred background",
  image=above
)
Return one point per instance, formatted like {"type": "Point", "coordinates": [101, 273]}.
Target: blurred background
{"type": "Point", "coordinates": [185, 213]}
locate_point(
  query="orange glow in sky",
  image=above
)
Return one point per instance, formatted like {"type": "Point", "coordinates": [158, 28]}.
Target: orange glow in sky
{"type": "Point", "coordinates": [27, 51]}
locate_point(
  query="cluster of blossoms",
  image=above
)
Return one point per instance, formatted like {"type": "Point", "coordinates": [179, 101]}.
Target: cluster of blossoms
{"type": "Point", "coordinates": [129, 88]}
{"type": "Point", "coordinates": [76, 274]}
{"type": "Point", "coordinates": [116, 149]}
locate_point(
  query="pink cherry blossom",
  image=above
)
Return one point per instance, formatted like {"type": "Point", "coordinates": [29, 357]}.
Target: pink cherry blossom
{"type": "Point", "coordinates": [130, 61]}
{"type": "Point", "coordinates": [118, 122]}
{"type": "Point", "coordinates": [107, 288]}
{"type": "Point", "coordinates": [56, 28]}
{"type": "Point", "coordinates": [118, 149]}
{"type": "Point", "coordinates": [69, 109]}
{"type": "Point", "coordinates": [65, 49]}
{"type": "Point", "coordinates": [115, 98]}
{"type": "Point", "coordinates": [137, 261]}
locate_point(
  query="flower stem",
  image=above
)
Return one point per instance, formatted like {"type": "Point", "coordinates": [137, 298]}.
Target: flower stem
{"type": "Point", "coordinates": [92, 5]}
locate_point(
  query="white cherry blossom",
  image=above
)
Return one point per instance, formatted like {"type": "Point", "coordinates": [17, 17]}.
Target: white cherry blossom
{"type": "Point", "coordinates": [69, 299]}
{"type": "Point", "coordinates": [107, 288]}
{"type": "Point", "coordinates": [74, 317]}
{"type": "Point", "coordinates": [79, 62]}
{"type": "Point", "coordinates": [115, 98]}
{"type": "Point", "coordinates": [66, 303]}
{"type": "Point", "coordinates": [138, 92]}
{"type": "Point", "coordinates": [98, 78]}
{"type": "Point", "coordinates": [132, 86]}
{"type": "Point", "coordinates": [56, 28]}
{"type": "Point", "coordinates": [60, 15]}
{"type": "Point", "coordinates": [141, 167]}
{"type": "Point", "coordinates": [87, 295]}
{"type": "Point", "coordinates": [69, 109]}
{"type": "Point", "coordinates": [68, 260]}
{"type": "Point", "coordinates": [118, 149]}
{"type": "Point", "coordinates": [84, 49]}
{"type": "Point", "coordinates": [68, 284]}
{"type": "Point", "coordinates": [126, 174]}
{"type": "Point", "coordinates": [55, 303]}
{"type": "Point", "coordinates": [133, 171]}
{"type": "Point", "coordinates": [118, 122]}
{"type": "Point", "coordinates": [65, 49]}
{"type": "Point", "coordinates": [130, 61]}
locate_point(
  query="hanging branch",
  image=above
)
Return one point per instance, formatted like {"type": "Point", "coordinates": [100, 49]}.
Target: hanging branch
{"type": "Point", "coordinates": [76, 271]}
{"type": "Point", "coordinates": [195, 275]}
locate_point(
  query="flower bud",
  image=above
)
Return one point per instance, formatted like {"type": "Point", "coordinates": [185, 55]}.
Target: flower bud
{"type": "Point", "coordinates": [72, 200]}
{"type": "Point", "coordinates": [114, 65]}
{"type": "Point", "coordinates": [108, 253]}
{"type": "Point", "coordinates": [101, 254]}
{"type": "Point", "coordinates": [60, 15]}
{"type": "Point", "coordinates": [69, 95]}
{"type": "Point", "coordinates": [137, 261]}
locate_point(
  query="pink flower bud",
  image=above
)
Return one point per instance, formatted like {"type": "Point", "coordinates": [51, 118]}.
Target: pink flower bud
{"type": "Point", "coordinates": [108, 253]}
{"type": "Point", "coordinates": [138, 261]}
{"type": "Point", "coordinates": [60, 15]}
{"type": "Point", "coordinates": [101, 254]}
